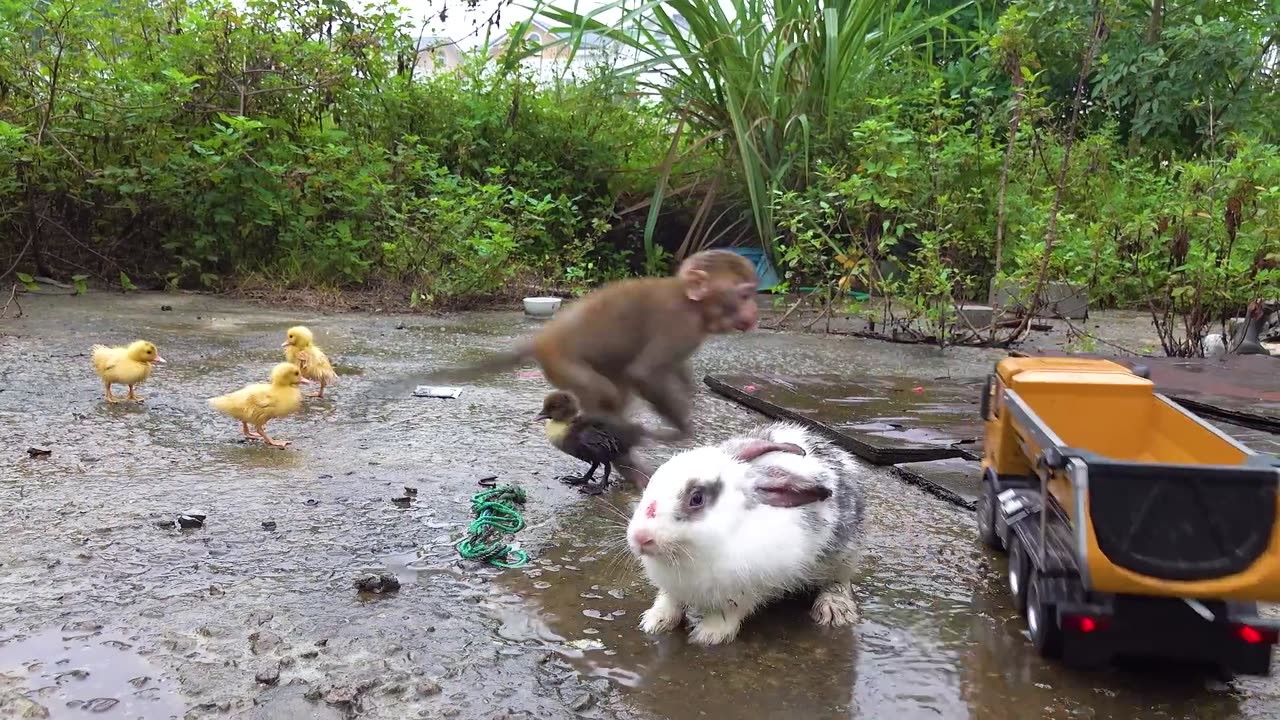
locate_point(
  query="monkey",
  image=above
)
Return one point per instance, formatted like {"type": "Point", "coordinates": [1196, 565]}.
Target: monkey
{"type": "Point", "coordinates": [638, 336]}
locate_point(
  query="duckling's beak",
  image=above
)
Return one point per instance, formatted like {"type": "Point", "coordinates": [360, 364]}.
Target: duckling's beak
{"type": "Point", "coordinates": [160, 360]}
{"type": "Point", "coordinates": [542, 416]}
{"type": "Point", "coordinates": [304, 381]}
{"type": "Point", "coordinates": [284, 344]}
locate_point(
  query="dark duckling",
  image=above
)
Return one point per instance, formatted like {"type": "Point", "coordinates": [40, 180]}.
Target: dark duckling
{"type": "Point", "coordinates": [599, 440]}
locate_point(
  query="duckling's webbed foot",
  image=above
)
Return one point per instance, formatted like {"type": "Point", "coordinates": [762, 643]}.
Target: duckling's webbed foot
{"type": "Point", "coordinates": [110, 397]}
{"type": "Point", "coordinates": [244, 430]}
{"type": "Point", "coordinates": [131, 396]}
{"type": "Point", "coordinates": [586, 477]}
{"type": "Point", "coordinates": [262, 433]}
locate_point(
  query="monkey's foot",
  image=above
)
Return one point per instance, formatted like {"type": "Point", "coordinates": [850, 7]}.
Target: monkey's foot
{"type": "Point", "coordinates": [593, 488]}
{"type": "Point", "coordinates": [574, 479]}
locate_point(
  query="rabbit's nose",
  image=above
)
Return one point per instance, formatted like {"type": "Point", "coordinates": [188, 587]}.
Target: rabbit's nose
{"type": "Point", "coordinates": [642, 540]}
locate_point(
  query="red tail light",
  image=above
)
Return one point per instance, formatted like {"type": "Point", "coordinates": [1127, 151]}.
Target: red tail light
{"type": "Point", "coordinates": [1257, 636]}
{"type": "Point", "coordinates": [1083, 623]}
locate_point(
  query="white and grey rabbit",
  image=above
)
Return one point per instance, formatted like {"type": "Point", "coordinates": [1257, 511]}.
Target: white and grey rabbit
{"type": "Point", "coordinates": [723, 530]}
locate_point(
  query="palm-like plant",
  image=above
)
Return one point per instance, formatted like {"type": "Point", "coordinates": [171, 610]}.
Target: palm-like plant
{"type": "Point", "coordinates": [760, 76]}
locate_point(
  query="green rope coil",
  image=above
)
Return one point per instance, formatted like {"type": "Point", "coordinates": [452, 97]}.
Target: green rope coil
{"type": "Point", "coordinates": [496, 516]}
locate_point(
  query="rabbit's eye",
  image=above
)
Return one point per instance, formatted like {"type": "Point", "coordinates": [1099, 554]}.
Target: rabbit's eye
{"type": "Point", "coordinates": [695, 498]}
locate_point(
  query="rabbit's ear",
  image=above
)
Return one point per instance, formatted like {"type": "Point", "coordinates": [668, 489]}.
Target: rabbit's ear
{"type": "Point", "coordinates": [780, 488]}
{"type": "Point", "coordinates": [753, 449]}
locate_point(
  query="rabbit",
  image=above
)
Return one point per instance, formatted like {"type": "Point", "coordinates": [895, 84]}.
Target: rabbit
{"type": "Point", "coordinates": [723, 530]}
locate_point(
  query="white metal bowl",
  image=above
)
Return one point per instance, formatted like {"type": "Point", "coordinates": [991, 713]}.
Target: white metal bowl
{"type": "Point", "coordinates": [541, 306]}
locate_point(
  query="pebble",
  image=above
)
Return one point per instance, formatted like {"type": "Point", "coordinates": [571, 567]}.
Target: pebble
{"type": "Point", "coordinates": [263, 641]}
{"type": "Point", "coordinates": [309, 654]}
{"type": "Point", "coordinates": [450, 711]}
{"type": "Point", "coordinates": [166, 308]}
{"type": "Point", "coordinates": [36, 452]}
{"type": "Point", "coordinates": [379, 584]}
{"type": "Point", "coordinates": [191, 521]}
{"type": "Point", "coordinates": [268, 675]}
{"type": "Point", "coordinates": [582, 701]}
{"type": "Point", "coordinates": [100, 705]}
{"type": "Point", "coordinates": [429, 688]}
{"type": "Point", "coordinates": [269, 525]}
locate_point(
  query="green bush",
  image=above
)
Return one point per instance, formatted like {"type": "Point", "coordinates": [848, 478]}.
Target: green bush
{"type": "Point", "coordinates": [199, 144]}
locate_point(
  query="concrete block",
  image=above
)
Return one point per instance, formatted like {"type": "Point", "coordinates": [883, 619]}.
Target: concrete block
{"type": "Point", "coordinates": [1059, 299]}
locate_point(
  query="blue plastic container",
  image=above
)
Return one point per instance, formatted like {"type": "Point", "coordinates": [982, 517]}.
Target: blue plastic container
{"type": "Point", "coordinates": [764, 269]}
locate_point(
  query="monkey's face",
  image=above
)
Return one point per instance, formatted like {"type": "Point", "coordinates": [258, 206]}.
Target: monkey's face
{"type": "Point", "coordinates": [732, 306]}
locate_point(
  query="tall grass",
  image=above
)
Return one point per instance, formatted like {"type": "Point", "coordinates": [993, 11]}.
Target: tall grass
{"type": "Point", "coordinates": [762, 78]}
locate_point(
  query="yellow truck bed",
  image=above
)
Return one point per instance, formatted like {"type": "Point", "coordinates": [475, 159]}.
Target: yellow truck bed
{"type": "Point", "coordinates": [1159, 502]}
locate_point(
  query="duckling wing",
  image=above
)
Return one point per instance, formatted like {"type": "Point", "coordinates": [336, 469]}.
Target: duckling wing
{"type": "Point", "coordinates": [105, 359]}
{"type": "Point", "coordinates": [600, 438]}
{"type": "Point", "coordinates": [315, 365]}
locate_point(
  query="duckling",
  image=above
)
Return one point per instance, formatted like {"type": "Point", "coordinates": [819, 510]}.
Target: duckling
{"type": "Point", "coordinates": [597, 440]}
{"type": "Point", "coordinates": [125, 365]}
{"type": "Point", "coordinates": [261, 402]}
{"type": "Point", "coordinates": [300, 349]}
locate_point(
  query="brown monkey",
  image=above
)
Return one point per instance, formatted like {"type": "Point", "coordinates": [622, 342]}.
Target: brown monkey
{"type": "Point", "coordinates": [639, 336]}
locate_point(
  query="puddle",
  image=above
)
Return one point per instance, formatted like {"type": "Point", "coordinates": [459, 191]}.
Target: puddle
{"type": "Point", "coordinates": [78, 672]}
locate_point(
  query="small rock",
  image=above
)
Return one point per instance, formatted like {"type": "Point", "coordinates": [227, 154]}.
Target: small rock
{"type": "Point", "coordinates": [216, 590]}
{"type": "Point", "coordinates": [402, 501]}
{"type": "Point", "coordinates": [140, 681]}
{"type": "Point", "coordinates": [166, 308]}
{"type": "Point", "coordinates": [191, 521]}
{"type": "Point", "coordinates": [325, 477]}
{"type": "Point", "coordinates": [287, 662]}
{"type": "Point", "coordinates": [84, 626]}
{"type": "Point", "coordinates": [269, 525]}
{"type": "Point", "coordinates": [36, 452]}
{"type": "Point", "coordinates": [393, 689]}
{"type": "Point", "coordinates": [322, 642]}
{"type": "Point", "coordinates": [311, 502]}
{"type": "Point", "coordinates": [401, 326]}
{"type": "Point", "coordinates": [260, 617]}
{"type": "Point", "coordinates": [581, 702]}
{"type": "Point", "coordinates": [268, 675]}
{"type": "Point", "coordinates": [429, 688]}
{"type": "Point", "coordinates": [100, 705]}
{"type": "Point", "coordinates": [22, 707]}
{"type": "Point", "coordinates": [263, 641]}
{"type": "Point", "coordinates": [450, 711]}
{"type": "Point", "coordinates": [378, 584]}
{"type": "Point", "coordinates": [313, 693]}
{"type": "Point", "coordinates": [410, 491]}
{"type": "Point", "coordinates": [309, 654]}
{"type": "Point", "coordinates": [73, 674]}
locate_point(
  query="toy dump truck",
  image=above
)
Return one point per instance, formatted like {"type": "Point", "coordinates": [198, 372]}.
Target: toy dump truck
{"type": "Point", "coordinates": [1132, 527]}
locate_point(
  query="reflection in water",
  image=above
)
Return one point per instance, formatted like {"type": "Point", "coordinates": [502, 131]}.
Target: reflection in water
{"type": "Point", "coordinates": [79, 670]}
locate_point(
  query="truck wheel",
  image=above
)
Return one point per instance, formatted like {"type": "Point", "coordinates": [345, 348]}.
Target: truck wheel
{"type": "Point", "coordinates": [1046, 634]}
{"type": "Point", "coordinates": [1019, 568]}
{"type": "Point", "coordinates": [986, 512]}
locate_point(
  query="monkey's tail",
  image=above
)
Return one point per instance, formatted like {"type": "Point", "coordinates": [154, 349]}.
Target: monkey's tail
{"type": "Point", "coordinates": [466, 373]}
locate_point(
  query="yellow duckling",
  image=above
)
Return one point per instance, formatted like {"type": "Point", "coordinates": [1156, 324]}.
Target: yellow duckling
{"type": "Point", "coordinates": [300, 349]}
{"type": "Point", "coordinates": [125, 365]}
{"type": "Point", "coordinates": [256, 404]}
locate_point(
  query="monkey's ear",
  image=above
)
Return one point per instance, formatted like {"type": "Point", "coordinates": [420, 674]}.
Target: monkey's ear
{"type": "Point", "coordinates": [697, 283]}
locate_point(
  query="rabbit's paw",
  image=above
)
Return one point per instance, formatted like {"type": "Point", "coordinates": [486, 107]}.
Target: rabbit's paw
{"type": "Point", "coordinates": [716, 628]}
{"type": "Point", "coordinates": [664, 616]}
{"type": "Point", "coordinates": [835, 607]}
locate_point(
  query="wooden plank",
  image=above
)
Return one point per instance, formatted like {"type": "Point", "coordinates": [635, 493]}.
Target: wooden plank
{"type": "Point", "coordinates": [885, 421]}
{"type": "Point", "coordinates": [957, 480]}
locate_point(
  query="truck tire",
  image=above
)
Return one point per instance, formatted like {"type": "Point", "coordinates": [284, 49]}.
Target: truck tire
{"type": "Point", "coordinates": [1019, 571]}
{"type": "Point", "coordinates": [985, 509]}
{"type": "Point", "coordinates": [1046, 634]}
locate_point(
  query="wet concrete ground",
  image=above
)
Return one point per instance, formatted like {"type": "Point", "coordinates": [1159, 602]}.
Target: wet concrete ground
{"type": "Point", "coordinates": [97, 603]}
